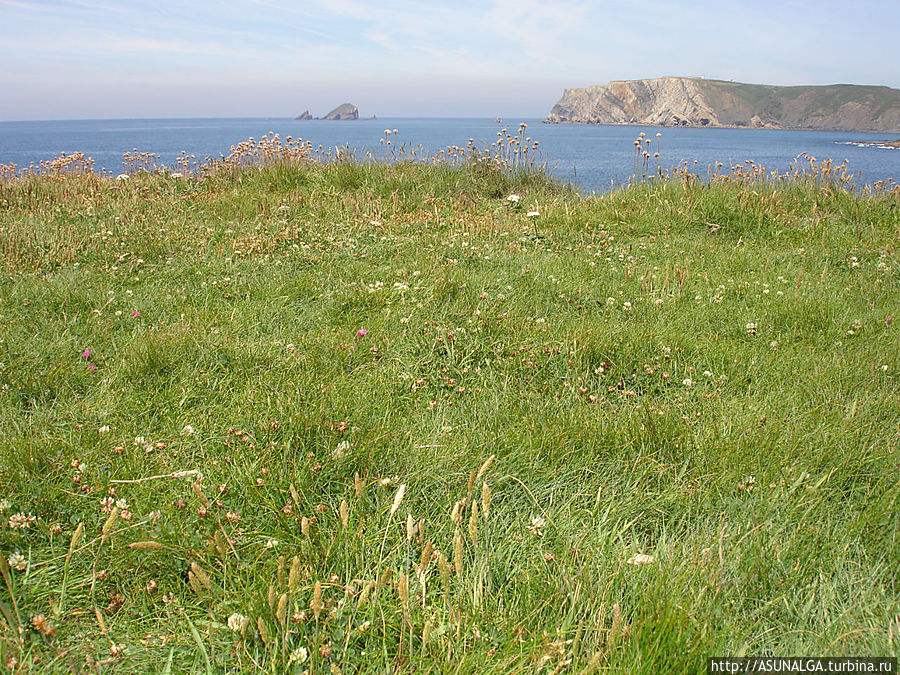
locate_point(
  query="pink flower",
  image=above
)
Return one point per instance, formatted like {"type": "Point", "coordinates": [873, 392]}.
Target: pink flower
{"type": "Point", "coordinates": [362, 332]}
{"type": "Point", "coordinates": [890, 320]}
{"type": "Point", "coordinates": [92, 367]}
{"type": "Point", "coordinates": [135, 313]}
{"type": "Point", "coordinates": [86, 354]}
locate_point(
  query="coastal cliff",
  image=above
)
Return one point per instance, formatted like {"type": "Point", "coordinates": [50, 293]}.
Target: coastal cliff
{"type": "Point", "coordinates": [686, 101]}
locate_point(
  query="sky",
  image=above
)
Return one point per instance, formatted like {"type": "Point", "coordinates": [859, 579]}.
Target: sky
{"type": "Point", "coordinates": [76, 59]}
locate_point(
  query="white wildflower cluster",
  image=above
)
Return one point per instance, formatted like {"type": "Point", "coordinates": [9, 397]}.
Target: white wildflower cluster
{"type": "Point", "coordinates": [21, 521]}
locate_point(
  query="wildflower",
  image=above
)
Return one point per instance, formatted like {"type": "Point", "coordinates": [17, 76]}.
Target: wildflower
{"type": "Point", "coordinates": [747, 484]}
{"type": "Point", "coordinates": [121, 504]}
{"type": "Point", "coordinates": [188, 430]}
{"type": "Point", "coordinates": [86, 354]}
{"type": "Point", "coordinates": [641, 559]}
{"type": "Point", "coordinates": [299, 655]}
{"type": "Point", "coordinates": [537, 526]}
{"type": "Point", "coordinates": [271, 543]}
{"type": "Point", "coordinates": [17, 561]}
{"type": "Point", "coordinates": [533, 214]}
{"type": "Point", "coordinates": [122, 176]}
{"type": "Point", "coordinates": [513, 199]}
{"type": "Point", "coordinates": [135, 313]}
{"type": "Point", "coordinates": [176, 175]}
{"type": "Point", "coordinates": [92, 367]}
{"type": "Point", "coordinates": [106, 504]}
{"type": "Point", "coordinates": [687, 382]}
{"type": "Point", "coordinates": [889, 320]}
{"type": "Point", "coordinates": [21, 521]}
{"type": "Point", "coordinates": [361, 333]}
{"type": "Point", "coordinates": [707, 373]}
{"type": "Point", "coordinates": [4, 505]}
{"type": "Point", "coordinates": [751, 328]}
{"type": "Point", "coordinates": [340, 450]}
{"type": "Point", "coordinates": [626, 306]}
{"type": "Point", "coordinates": [104, 429]}
{"type": "Point", "coordinates": [236, 622]}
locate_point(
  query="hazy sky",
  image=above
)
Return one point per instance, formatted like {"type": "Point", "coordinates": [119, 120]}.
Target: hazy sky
{"type": "Point", "coordinates": [68, 59]}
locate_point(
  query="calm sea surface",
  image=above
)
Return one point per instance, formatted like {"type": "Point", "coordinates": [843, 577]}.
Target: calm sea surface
{"type": "Point", "coordinates": [593, 157]}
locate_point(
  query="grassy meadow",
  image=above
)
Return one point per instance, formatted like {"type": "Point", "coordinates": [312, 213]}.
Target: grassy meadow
{"type": "Point", "coordinates": [345, 416]}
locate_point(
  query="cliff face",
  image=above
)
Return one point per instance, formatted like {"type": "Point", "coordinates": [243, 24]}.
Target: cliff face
{"type": "Point", "coordinates": [681, 101]}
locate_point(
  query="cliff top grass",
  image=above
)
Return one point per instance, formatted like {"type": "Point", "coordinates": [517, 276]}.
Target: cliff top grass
{"type": "Point", "coordinates": [365, 417]}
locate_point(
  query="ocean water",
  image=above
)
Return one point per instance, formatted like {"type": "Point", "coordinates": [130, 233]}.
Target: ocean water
{"type": "Point", "coordinates": [593, 157]}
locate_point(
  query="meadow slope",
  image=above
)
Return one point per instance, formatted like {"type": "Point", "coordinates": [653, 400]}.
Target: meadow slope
{"type": "Point", "coordinates": [357, 417]}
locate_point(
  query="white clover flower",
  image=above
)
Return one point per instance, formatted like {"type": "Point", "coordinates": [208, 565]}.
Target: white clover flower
{"type": "Point", "coordinates": [537, 525]}
{"type": "Point", "coordinates": [513, 199]}
{"type": "Point", "coordinates": [236, 622]}
{"type": "Point", "coordinates": [299, 655]}
{"type": "Point", "coordinates": [21, 521]}
{"type": "Point", "coordinates": [188, 430]}
{"type": "Point", "coordinates": [122, 176]}
{"type": "Point", "coordinates": [641, 559]}
{"type": "Point", "coordinates": [4, 505]}
{"type": "Point", "coordinates": [104, 429]}
{"type": "Point", "coordinates": [751, 328]}
{"type": "Point", "coordinates": [121, 503]}
{"type": "Point", "coordinates": [271, 543]}
{"type": "Point", "coordinates": [340, 450]}
{"type": "Point", "coordinates": [533, 214]}
{"type": "Point", "coordinates": [17, 561]}
{"type": "Point", "coordinates": [687, 382]}
{"type": "Point", "coordinates": [175, 174]}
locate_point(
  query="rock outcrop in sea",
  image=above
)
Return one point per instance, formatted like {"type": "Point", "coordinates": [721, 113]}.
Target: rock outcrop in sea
{"type": "Point", "coordinates": [696, 102]}
{"type": "Point", "coordinates": [345, 111]}
{"type": "Point", "coordinates": [304, 116]}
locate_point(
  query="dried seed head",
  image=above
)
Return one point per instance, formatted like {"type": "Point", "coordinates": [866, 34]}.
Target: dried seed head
{"type": "Point", "coordinates": [357, 485]}
{"type": "Point", "coordinates": [110, 524]}
{"type": "Point", "coordinates": [410, 527]}
{"type": "Point", "coordinates": [281, 612]}
{"type": "Point", "coordinates": [345, 514]}
{"type": "Point", "coordinates": [485, 466]}
{"type": "Point", "coordinates": [458, 552]}
{"type": "Point", "coordinates": [270, 598]}
{"type": "Point", "coordinates": [294, 575]}
{"type": "Point", "coordinates": [485, 500]}
{"type": "Point", "coordinates": [146, 545]}
{"type": "Point", "coordinates": [473, 524]}
{"type": "Point", "coordinates": [471, 483]}
{"type": "Point", "coordinates": [304, 526]}
{"type": "Point", "coordinates": [615, 630]}
{"type": "Point", "coordinates": [263, 630]}
{"type": "Point", "coordinates": [444, 568]}
{"type": "Point", "coordinates": [294, 494]}
{"type": "Point", "coordinates": [201, 576]}
{"type": "Point", "coordinates": [316, 603]}
{"type": "Point", "coordinates": [398, 498]}
{"type": "Point", "coordinates": [77, 536]}
{"type": "Point", "coordinates": [426, 556]}
{"type": "Point", "coordinates": [195, 486]}
{"type": "Point", "coordinates": [403, 591]}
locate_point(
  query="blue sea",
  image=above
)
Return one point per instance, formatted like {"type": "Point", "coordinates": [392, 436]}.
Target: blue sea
{"type": "Point", "coordinates": [591, 156]}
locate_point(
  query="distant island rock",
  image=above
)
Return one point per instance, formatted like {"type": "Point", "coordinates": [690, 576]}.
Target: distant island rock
{"type": "Point", "coordinates": [345, 111]}
{"type": "Point", "coordinates": [304, 116]}
{"type": "Point", "coordinates": [696, 102]}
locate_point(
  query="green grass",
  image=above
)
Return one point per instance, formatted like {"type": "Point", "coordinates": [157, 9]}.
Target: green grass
{"type": "Point", "coordinates": [674, 369]}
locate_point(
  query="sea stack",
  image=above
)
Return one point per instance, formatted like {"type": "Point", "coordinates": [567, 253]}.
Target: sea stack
{"type": "Point", "coordinates": [345, 111]}
{"type": "Point", "coordinates": [304, 116]}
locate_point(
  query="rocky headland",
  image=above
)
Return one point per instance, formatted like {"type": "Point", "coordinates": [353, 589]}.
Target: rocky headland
{"type": "Point", "coordinates": [695, 102]}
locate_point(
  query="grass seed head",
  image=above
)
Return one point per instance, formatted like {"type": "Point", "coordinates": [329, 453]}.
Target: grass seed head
{"type": "Point", "coordinates": [316, 603]}
{"type": "Point", "coordinates": [345, 515]}
{"type": "Point", "coordinates": [485, 500]}
{"type": "Point", "coordinates": [398, 498]}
